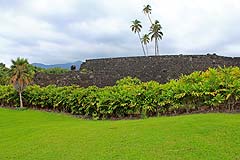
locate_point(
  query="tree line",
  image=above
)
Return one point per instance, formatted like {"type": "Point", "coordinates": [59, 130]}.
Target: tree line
{"type": "Point", "coordinates": [21, 73]}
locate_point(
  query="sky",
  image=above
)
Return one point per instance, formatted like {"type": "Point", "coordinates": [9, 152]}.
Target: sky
{"type": "Point", "coordinates": [60, 31]}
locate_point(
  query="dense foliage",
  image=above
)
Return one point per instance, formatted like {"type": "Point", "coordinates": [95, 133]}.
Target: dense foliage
{"type": "Point", "coordinates": [215, 89]}
{"type": "Point", "coordinates": [4, 74]}
{"type": "Point", "coordinates": [55, 70]}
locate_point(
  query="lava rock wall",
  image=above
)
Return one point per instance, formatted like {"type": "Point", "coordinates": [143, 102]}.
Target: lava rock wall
{"type": "Point", "coordinates": [105, 72]}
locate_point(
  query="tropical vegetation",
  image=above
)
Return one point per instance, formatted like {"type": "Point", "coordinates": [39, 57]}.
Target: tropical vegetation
{"type": "Point", "coordinates": [213, 90]}
{"type": "Point", "coordinates": [147, 10]}
{"type": "Point", "coordinates": [156, 35]}
{"type": "Point", "coordinates": [136, 28]}
{"type": "Point", "coordinates": [4, 74]}
{"type": "Point", "coordinates": [54, 70]}
{"type": "Point", "coordinates": [145, 40]}
{"type": "Point", "coordinates": [154, 31]}
{"type": "Point", "coordinates": [21, 76]}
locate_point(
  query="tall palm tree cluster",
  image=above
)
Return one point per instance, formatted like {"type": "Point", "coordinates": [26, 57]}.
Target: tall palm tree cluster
{"type": "Point", "coordinates": [155, 34]}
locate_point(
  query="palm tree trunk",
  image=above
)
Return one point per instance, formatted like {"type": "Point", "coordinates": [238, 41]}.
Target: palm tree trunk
{"type": "Point", "coordinates": [20, 97]}
{"type": "Point", "coordinates": [141, 44]}
{"type": "Point", "coordinates": [155, 46]}
{"type": "Point", "coordinates": [149, 18]}
{"type": "Point", "coordinates": [147, 49]}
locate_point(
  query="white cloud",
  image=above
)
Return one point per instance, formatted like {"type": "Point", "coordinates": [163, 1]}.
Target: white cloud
{"type": "Point", "coordinates": [99, 27]}
{"type": "Point", "coordinates": [58, 31]}
{"type": "Point", "coordinates": [15, 26]}
{"type": "Point", "coordinates": [233, 49]}
{"type": "Point", "coordinates": [49, 7]}
{"type": "Point", "coordinates": [198, 25]}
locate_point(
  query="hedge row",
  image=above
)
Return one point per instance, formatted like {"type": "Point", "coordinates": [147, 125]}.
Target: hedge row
{"type": "Point", "coordinates": [215, 89]}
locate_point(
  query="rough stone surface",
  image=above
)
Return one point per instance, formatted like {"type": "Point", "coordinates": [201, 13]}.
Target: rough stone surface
{"type": "Point", "coordinates": [105, 72]}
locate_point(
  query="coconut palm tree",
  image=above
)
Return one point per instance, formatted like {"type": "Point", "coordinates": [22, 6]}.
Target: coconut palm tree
{"type": "Point", "coordinates": [145, 40]}
{"type": "Point", "coordinates": [156, 34]}
{"type": "Point", "coordinates": [136, 28]}
{"type": "Point", "coordinates": [147, 11]}
{"type": "Point", "coordinates": [21, 76]}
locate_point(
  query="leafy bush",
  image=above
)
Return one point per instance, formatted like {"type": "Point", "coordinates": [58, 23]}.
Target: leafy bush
{"type": "Point", "coordinates": [8, 96]}
{"type": "Point", "coordinates": [4, 74]}
{"type": "Point", "coordinates": [215, 89]}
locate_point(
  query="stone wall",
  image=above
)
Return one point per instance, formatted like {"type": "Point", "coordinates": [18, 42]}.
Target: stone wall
{"type": "Point", "coordinates": [105, 72]}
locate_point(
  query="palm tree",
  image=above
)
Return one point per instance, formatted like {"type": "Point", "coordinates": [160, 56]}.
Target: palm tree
{"type": "Point", "coordinates": [136, 28]}
{"type": "Point", "coordinates": [21, 76]}
{"type": "Point", "coordinates": [147, 11]}
{"type": "Point", "coordinates": [156, 34]}
{"type": "Point", "coordinates": [145, 40]}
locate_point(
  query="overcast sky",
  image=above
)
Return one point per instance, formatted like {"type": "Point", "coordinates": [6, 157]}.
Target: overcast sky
{"type": "Point", "coordinates": [59, 31]}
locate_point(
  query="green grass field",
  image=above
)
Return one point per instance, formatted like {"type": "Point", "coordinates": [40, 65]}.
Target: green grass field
{"type": "Point", "coordinates": [35, 135]}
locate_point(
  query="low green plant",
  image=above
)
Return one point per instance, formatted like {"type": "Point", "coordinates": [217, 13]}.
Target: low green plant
{"type": "Point", "coordinates": [214, 89]}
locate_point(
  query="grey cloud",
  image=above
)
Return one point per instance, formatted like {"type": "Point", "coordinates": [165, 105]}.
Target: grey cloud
{"type": "Point", "coordinates": [58, 31]}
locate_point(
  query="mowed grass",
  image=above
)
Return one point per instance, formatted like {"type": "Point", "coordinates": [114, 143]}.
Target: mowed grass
{"type": "Point", "coordinates": [33, 135]}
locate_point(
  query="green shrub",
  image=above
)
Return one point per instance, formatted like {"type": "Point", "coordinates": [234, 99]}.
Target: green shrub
{"type": "Point", "coordinates": [211, 90]}
{"type": "Point", "coordinates": [8, 96]}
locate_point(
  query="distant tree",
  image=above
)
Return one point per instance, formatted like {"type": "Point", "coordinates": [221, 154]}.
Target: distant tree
{"type": "Point", "coordinates": [4, 74]}
{"type": "Point", "coordinates": [73, 67]}
{"type": "Point", "coordinates": [145, 40]}
{"type": "Point", "coordinates": [156, 34]}
{"type": "Point", "coordinates": [147, 10]}
{"type": "Point", "coordinates": [2, 65]}
{"type": "Point", "coordinates": [56, 70]}
{"type": "Point", "coordinates": [21, 76]}
{"type": "Point", "coordinates": [136, 28]}
{"type": "Point", "coordinates": [36, 69]}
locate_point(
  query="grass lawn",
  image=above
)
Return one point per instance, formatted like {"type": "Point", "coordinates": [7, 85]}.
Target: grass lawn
{"type": "Point", "coordinates": [35, 135]}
